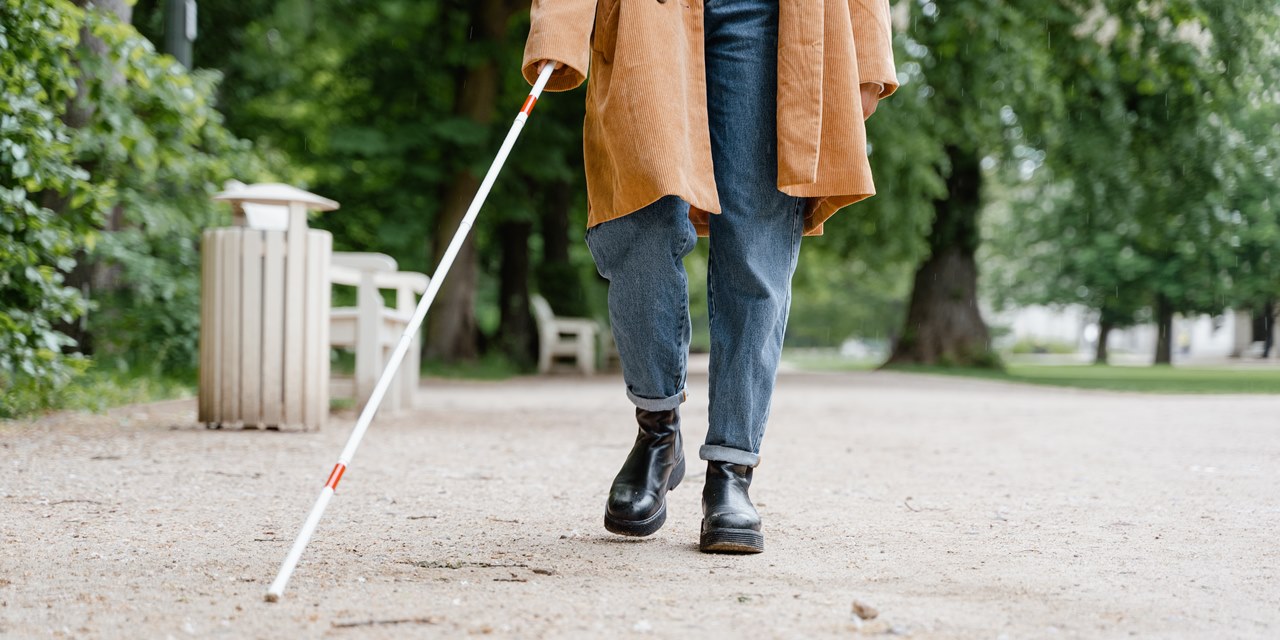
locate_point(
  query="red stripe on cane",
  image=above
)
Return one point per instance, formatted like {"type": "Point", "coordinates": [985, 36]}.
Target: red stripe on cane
{"type": "Point", "coordinates": [335, 476]}
{"type": "Point", "coordinates": [527, 109]}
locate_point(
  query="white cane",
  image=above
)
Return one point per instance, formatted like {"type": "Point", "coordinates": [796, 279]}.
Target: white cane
{"type": "Point", "coordinates": [419, 314]}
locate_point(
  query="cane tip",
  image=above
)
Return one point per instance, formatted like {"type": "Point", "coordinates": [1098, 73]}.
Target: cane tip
{"type": "Point", "coordinates": [271, 597]}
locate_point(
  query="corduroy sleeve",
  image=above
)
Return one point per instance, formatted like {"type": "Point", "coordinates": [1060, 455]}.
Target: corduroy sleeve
{"type": "Point", "coordinates": [560, 30]}
{"type": "Point", "coordinates": [873, 39]}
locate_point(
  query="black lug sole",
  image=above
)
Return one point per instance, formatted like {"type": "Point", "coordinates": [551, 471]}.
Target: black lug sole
{"type": "Point", "coordinates": [731, 541]}
{"type": "Point", "coordinates": [649, 526]}
{"type": "Point", "coordinates": [637, 528]}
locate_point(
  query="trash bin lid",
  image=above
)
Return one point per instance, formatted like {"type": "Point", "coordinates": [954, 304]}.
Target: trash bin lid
{"type": "Point", "coordinates": [276, 193]}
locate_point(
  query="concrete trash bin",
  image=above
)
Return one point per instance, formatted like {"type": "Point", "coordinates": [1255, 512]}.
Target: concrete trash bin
{"type": "Point", "coordinates": [264, 313]}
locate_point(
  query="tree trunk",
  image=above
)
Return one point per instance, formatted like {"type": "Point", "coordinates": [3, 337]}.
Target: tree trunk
{"type": "Point", "coordinates": [1104, 332]}
{"type": "Point", "coordinates": [1268, 328]}
{"type": "Point", "coordinates": [558, 278]}
{"type": "Point", "coordinates": [91, 278]}
{"type": "Point", "coordinates": [944, 325]}
{"type": "Point", "coordinates": [1164, 330]}
{"type": "Point", "coordinates": [1258, 325]}
{"type": "Point", "coordinates": [451, 326]}
{"type": "Point", "coordinates": [123, 9]}
{"type": "Point", "coordinates": [516, 335]}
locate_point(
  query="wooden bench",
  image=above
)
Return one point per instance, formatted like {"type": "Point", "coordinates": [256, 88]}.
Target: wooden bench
{"type": "Point", "coordinates": [561, 337]}
{"type": "Point", "coordinates": [372, 329]}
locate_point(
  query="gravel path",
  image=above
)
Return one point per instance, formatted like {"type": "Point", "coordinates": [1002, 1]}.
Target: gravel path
{"type": "Point", "coordinates": [957, 508]}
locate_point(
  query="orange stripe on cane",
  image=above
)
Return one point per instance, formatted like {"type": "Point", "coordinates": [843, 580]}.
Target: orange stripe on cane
{"type": "Point", "coordinates": [335, 476]}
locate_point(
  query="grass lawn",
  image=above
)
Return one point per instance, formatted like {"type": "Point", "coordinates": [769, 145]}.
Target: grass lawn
{"type": "Point", "coordinates": [99, 390]}
{"type": "Point", "coordinates": [492, 367]}
{"type": "Point", "coordinates": [1115, 378]}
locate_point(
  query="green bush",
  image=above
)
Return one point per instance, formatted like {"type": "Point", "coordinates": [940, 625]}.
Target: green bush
{"type": "Point", "coordinates": [124, 192]}
{"type": "Point", "coordinates": [1027, 346]}
{"type": "Point", "coordinates": [161, 142]}
{"type": "Point", "coordinates": [38, 170]}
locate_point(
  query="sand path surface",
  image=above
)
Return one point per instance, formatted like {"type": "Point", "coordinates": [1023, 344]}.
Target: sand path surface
{"type": "Point", "coordinates": [957, 508]}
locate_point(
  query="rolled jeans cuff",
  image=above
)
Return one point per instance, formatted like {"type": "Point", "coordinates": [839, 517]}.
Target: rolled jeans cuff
{"type": "Point", "coordinates": [657, 404]}
{"type": "Point", "coordinates": [717, 453]}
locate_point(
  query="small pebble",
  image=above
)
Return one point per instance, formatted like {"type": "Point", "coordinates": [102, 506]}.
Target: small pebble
{"type": "Point", "coordinates": [864, 610]}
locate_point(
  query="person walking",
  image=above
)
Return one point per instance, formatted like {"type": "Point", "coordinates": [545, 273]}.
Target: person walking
{"type": "Point", "coordinates": [741, 120]}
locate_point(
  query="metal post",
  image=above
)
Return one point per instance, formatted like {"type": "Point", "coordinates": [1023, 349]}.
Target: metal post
{"type": "Point", "coordinates": [179, 29]}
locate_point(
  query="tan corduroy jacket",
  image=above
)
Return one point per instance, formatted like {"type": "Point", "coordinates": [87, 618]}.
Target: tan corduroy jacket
{"type": "Point", "coordinates": [646, 132]}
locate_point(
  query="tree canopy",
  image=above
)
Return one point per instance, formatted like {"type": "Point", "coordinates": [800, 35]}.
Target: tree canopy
{"type": "Point", "coordinates": [1152, 187]}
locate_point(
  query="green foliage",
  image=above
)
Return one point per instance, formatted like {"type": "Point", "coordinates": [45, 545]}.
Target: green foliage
{"type": "Point", "coordinates": [1253, 209]}
{"type": "Point", "coordinates": [907, 159]}
{"type": "Point", "coordinates": [843, 298]}
{"type": "Point", "coordinates": [157, 137]}
{"type": "Point", "coordinates": [1178, 380]}
{"type": "Point", "coordinates": [108, 154]}
{"type": "Point", "coordinates": [100, 389]}
{"type": "Point", "coordinates": [392, 108]}
{"type": "Point", "coordinates": [354, 94]}
{"type": "Point", "coordinates": [1160, 182]}
{"type": "Point", "coordinates": [988, 70]}
{"type": "Point", "coordinates": [978, 93]}
{"type": "Point", "coordinates": [493, 366]}
{"type": "Point", "coordinates": [366, 101]}
{"type": "Point", "coordinates": [826, 360]}
{"type": "Point", "coordinates": [836, 298]}
{"type": "Point", "coordinates": [1028, 346]}
{"type": "Point", "coordinates": [1161, 380]}
{"type": "Point", "coordinates": [37, 168]}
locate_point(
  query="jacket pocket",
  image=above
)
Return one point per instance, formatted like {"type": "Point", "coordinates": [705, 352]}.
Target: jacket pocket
{"type": "Point", "coordinates": [605, 37]}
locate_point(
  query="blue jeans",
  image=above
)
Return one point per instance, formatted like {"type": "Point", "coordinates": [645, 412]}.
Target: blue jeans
{"type": "Point", "coordinates": [754, 245]}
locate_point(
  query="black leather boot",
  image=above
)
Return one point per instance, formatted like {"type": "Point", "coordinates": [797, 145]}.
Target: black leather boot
{"type": "Point", "coordinates": [730, 523]}
{"type": "Point", "coordinates": [638, 498]}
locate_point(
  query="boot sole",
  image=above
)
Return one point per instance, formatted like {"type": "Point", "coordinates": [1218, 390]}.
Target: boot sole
{"type": "Point", "coordinates": [731, 541]}
{"type": "Point", "coordinates": [649, 526]}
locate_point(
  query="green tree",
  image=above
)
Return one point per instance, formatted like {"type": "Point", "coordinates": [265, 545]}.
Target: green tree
{"type": "Point", "coordinates": [1255, 210]}
{"type": "Point", "coordinates": [851, 282]}
{"type": "Point", "coordinates": [109, 154]}
{"type": "Point", "coordinates": [395, 109]}
{"type": "Point", "coordinates": [1253, 207]}
{"type": "Point", "coordinates": [988, 88]}
{"type": "Point", "coordinates": [1138, 206]}
{"type": "Point", "coordinates": [38, 165]}
{"type": "Point", "coordinates": [158, 139]}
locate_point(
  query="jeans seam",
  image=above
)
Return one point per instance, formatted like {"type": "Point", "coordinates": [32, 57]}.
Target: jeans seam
{"type": "Point", "coordinates": [797, 229]}
{"type": "Point", "coordinates": [711, 283]}
{"type": "Point", "coordinates": [684, 313]}
{"type": "Point", "coordinates": [586, 239]}
{"type": "Point", "coordinates": [681, 320]}
{"type": "Point", "coordinates": [711, 317]}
